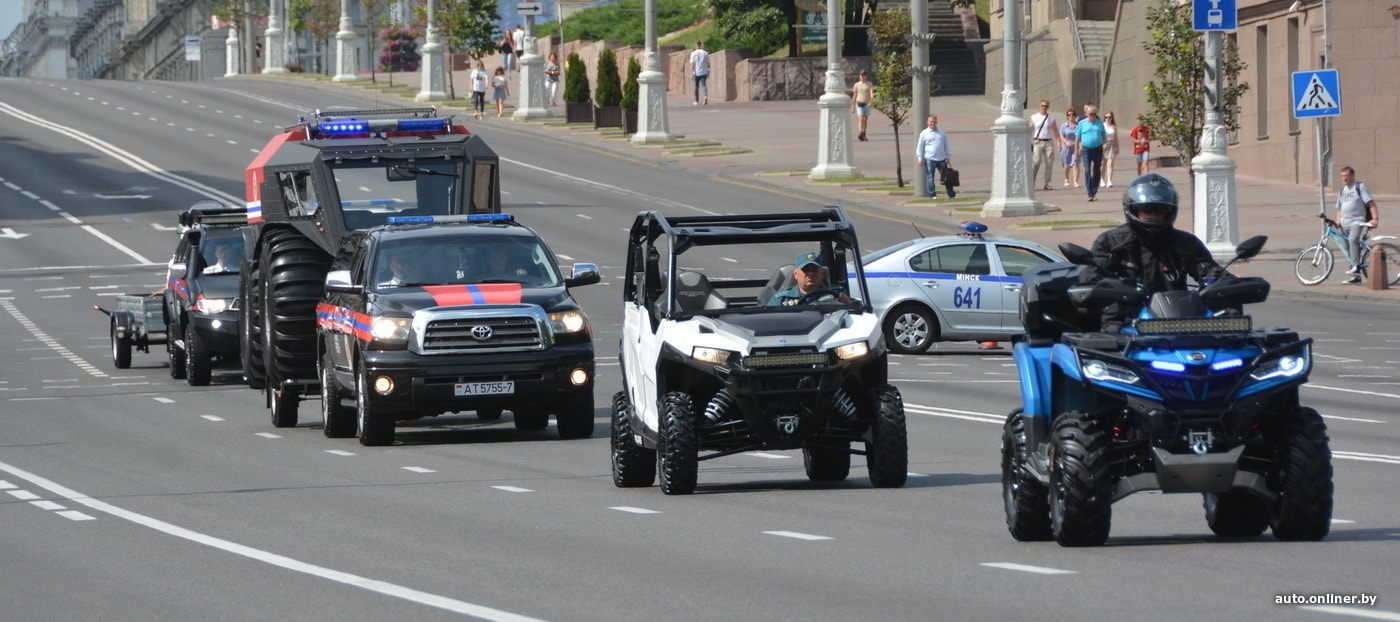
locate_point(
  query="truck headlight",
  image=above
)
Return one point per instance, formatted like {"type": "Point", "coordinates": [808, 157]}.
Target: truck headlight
{"type": "Point", "coordinates": [389, 328]}
{"type": "Point", "coordinates": [852, 350]}
{"type": "Point", "coordinates": [568, 322]}
{"type": "Point", "coordinates": [211, 306]}
{"type": "Point", "coordinates": [714, 356]}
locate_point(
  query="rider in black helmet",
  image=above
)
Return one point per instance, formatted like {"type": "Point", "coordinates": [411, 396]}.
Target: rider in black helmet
{"type": "Point", "coordinates": [1148, 248]}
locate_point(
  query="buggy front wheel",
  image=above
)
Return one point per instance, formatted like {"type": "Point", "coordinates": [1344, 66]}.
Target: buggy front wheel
{"type": "Point", "coordinates": [1313, 265]}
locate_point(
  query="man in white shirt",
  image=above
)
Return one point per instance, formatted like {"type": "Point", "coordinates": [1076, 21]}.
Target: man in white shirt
{"type": "Point", "coordinates": [700, 69]}
{"type": "Point", "coordinates": [1042, 142]}
{"type": "Point", "coordinates": [934, 154]}
{"type": "Point", "coordinates": [518, 38]}
{"type": "Point", "coordinates": [1356, 209]}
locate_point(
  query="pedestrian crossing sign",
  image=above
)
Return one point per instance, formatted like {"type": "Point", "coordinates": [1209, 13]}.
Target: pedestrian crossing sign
{"type": "Point", "coordinates": [1316, 93]}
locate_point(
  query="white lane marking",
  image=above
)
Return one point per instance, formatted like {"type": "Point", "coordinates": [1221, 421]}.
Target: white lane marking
{"type": "Point", "coordinates": [1355, 612]}
{"type": "Point", "coordinates": [1355, 455]}
{"type": "Point", "coordinates": [1327, 388]}
{"type": "Point", "coordinates": [797, 534]}
{"type": "Point", "coordinates": [584, 216]}
{"type": "Point", "coordinates": [23, 495]}
{"type": "Point", "coordinates": [212, 418]}
{"type": "Point", "coordinates": [631, 510]}
{"type": "Point", "coordinates": [1025, 568]}
{"type": "Point", "coordinates": [955, 414]}
{"type": "Point", "coordinates": [512, 489]}
{"type": "Point", "coordinates": [1343, 521]}
{"type": "Point", "coordinates": [416, 469]}
{"type": "Point", "coordinates": [913, 474]}
{"type": "Point", "coordinates": [52, 343]}
{"type": "Point", "coordinates": [268, 435]}
{"type": "Point", "coordinates": [1352, 419]}
{"type": "Point", "coordinates": [654, 200]}
{"type": "Point", "coordinates": [75, 515]}
{"type": "Point", "coordinates": [730, 260]}
{"type": "Point", "coordinates": [47, 505]}
{"type": "Point", "coordinates": [115, 244]}
{"type": "Point", "coordinates": [763, 454]}
{"type": "Point", "coordinates": [164, 400]}
{"type": "Point", "coordinates": [340, 452]}
{"type": "Point", "coordinates": [4, 485]}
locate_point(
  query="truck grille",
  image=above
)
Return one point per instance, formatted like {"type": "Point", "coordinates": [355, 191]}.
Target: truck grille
{"type": "Point", "coordinates": [487, 333]}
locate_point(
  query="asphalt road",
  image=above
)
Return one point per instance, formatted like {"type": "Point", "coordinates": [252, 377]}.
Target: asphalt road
{"type": "Point", "coordinates": [130, 496]}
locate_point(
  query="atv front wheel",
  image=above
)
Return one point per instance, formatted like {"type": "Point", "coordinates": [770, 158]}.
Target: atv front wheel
{"type": "Point", "coordinates": [1236, 514]}
{"type": "Point", "coordinates": [680, 447]}
{"type": "Point", "coordinates": [1026, 499]}
{"type": "Point", "coordinates": [887, 451]}
{"type": "Point", "coordinates": [1303, 480]}
{"type": "Point", "coordinates": [1081, 491]}
{"type": "Point", "coordinates": [633, 466]}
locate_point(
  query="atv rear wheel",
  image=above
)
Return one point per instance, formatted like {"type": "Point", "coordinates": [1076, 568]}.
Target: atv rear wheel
{"type": "Point", "coordinates": [887, 451]}
{"type": "Point", "coordinates": [1081, 491]}
{"type": "Point", "coordinates": [633, 466]}
{"type": "Point", "coordinates": [337, 420]}
{"type": "Point", "coordinates": [1026, 499]}
{"type": "Point", "coordinates": [826, 464]}
{"type": "Point", "coordinates": [679, 454]}
{"type": "Point", "coordinates": [198, 362]}
{"type": "Point", "coordinates": [1236, 514]}
{"type": "Point", "coordinates": [1303, 480]}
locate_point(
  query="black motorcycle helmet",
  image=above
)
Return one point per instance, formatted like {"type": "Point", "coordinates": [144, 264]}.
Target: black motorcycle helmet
{"type": "Point", "coordinates": [1154, 190]}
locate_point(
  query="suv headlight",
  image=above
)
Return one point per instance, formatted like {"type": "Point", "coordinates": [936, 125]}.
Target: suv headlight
{"type": "Point", "coordinates": [852, 350]}
{"type": "Point", "coordinates": [714, 356]}
{"type": "Point", "coordinates": [211, 306]}
{"type": "Point", "coordinates": [1099, 370]}
{"type": "Point", "coordinates": [389, 328]}
{"type": "Point", "coordinates": [568, 322]}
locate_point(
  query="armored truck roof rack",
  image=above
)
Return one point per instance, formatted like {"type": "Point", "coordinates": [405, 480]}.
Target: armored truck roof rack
{"type": "Point", "coordinates": [729, 229]}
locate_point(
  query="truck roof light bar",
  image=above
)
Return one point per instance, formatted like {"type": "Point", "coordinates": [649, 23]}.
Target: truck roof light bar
{"type": "Point", "coordinates": [471, 218]}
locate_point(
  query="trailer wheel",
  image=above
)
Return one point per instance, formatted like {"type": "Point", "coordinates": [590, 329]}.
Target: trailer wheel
{"type": "Point", "coordinates": [121, 349]}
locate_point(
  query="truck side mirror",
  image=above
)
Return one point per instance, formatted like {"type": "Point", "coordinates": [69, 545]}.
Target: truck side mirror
{"type": "Point", "coordinates": [178, 270]}
{"type": "Point", "coordinates": [584, 274]}
{"type": "Point", "coordinates": [339, 281]}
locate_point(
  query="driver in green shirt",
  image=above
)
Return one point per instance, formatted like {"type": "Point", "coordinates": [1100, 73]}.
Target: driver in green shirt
{"type": "Point", "coordinates": [809, 282]}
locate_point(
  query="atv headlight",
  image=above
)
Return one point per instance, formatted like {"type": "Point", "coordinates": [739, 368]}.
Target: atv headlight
{"type": "Point", "coordinates": [389, 328]}
{"type": "Point", "coordinates": [852, 350]}
{"type": "Point", "coordinates": [1107, 372]}
{"type": "Point", "coordinates": [1286, 366]}
{"type": "Point", "coordinates": [714, 356]}
{"type": "Point", "coordinates": [211, 306]}
{"type": "Point", "coordinates": [568, 322]}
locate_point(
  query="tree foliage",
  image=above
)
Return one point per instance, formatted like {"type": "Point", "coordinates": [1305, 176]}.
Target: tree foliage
{"type": "Point", "coordinates": [625, 21]}
{"type": "Point", "coordinates": [1175, 100]}
{"type": "Point", "coordinates": [468, 26]}
{"type": "Point", "coordinates": [609, 91]}
{"type": "Point", "coordinates": [630, 88]}
{"type": "Point", "coordinates": [760, 26]}
{"type": "Point", "coordinates": [894, 89]}
{"type": "Point", "coordinates": [575, 79]}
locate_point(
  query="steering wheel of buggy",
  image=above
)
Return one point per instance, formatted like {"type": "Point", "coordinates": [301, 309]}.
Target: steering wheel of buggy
{"type": "Point", "coordinates": [825, 294]}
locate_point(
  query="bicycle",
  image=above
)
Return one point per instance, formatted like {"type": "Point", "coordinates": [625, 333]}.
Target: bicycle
{"type": "Point", "coordinates": [1315, 263]}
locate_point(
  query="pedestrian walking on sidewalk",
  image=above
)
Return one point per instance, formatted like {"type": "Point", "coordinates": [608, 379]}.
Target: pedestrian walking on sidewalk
{"type": "Point", "coordinates": [861, 96]}
{"type": "Point", "coordinates": [500, 86]}
{"type": "Point", "coordinates": [1142, 146]}
{"type": "Point", "coordinates": [1110, 149]}
{"type": "Point", "coordinates": [1043, 142]}
{"type": "Point", "coordinates": [479, 79]}
{"type": "Point", "coordinates": [1068, 156]}
{"type": "Point", "coordinates": [1356, 209]}
{"type": "Point", "coordinates": [551, 78]}
{"type": "Point", "coordinates": [700, 70]}
{"type": "Point", "coordinates": [1089, 137]}
{"type": "Point", "coordinates": [934, 154]}
{"type": "Point", "coordinates": [506, 46]}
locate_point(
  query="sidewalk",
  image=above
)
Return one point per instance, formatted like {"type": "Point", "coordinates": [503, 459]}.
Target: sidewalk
{"type": "Point", "coordinates": [775, 144]}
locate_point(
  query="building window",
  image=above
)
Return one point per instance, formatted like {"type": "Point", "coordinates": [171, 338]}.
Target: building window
{"type": "Point", "coordinates": [1261, 78]}
{"type": "Point", "coordinates": [1293, 125]}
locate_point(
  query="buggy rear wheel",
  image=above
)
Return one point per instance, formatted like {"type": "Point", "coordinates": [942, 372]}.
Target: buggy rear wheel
{"type": "Point", "coordinates": [826, 464]}
{"type": "Point", "coordinates": [887, 451]}
{"type": "Point", "coordinates": [633, 466]}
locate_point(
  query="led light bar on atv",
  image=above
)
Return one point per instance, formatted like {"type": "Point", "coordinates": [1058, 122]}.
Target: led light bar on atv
{"type": "Point", "coordinates": [1185, 326]}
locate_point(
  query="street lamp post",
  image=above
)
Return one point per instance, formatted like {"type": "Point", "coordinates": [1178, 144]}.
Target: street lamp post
{"type": "Point", "coordinates": [273, 48]}
{"type": "Point", "coordinates": [834, 158]}
{"type": "Point", "coordinates": [345, 42]}
{"type": "Point", "coordinates": [531, 104]}
{"type": "Point", "coordinates": [1012, 194]}
{"type": "Point", "coordinates": [651, 89]}
{"type": "Point", "coordinates": [1216, 219]}
{"type": "Point", "coordinates": [231, 51]}
{"type": "Point", "coordinates": [433, 76]}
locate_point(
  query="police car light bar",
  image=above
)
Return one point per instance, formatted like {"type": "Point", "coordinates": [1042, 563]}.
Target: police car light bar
{"type": "Point", "coordinates": [473, 218]}
{"type": "Point", "coordinates": [350, 127]}
{"type": "Point", "coordinates": [974, 227]}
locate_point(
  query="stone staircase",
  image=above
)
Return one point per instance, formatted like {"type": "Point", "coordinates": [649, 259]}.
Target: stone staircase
{"type": "Point", "coordinates": [1097, 39]}
{"type": "Point", "coordinates": [957, 65]}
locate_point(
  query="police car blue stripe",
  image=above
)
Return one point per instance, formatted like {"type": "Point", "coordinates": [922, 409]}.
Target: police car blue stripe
{"type": "Point", "coordinates": [477, 297]}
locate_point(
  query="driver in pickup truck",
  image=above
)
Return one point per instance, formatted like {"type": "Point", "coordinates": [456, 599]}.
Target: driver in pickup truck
{"type": "Point", "coordinates": [1148, 248]}
{"type": "Point", "coordinates": [809, 280]}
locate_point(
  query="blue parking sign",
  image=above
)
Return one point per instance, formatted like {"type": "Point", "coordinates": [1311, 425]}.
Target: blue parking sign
{"type": "Point", "coordinates": [1316, 93]}
{"type": "Point", "coordinates": [1214, 15]}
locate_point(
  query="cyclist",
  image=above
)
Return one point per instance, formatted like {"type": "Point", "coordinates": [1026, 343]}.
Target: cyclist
{"type": "Point", "coordinates": [1148, 248]}
{"type": "Point", "coordinates": [1355, 211]}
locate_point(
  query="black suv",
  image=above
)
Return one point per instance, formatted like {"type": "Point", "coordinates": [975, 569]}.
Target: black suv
{"type": "Point", "coordinates": [201, 294]}
{"type": "Point", "coordinates": [434, 314]}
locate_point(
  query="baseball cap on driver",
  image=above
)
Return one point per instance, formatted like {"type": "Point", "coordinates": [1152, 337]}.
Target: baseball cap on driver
{"type": "Point", "coordinates": [808, 258]}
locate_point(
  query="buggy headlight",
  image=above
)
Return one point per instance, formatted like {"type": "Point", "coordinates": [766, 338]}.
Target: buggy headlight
{"type": "Point", "coordinates": [568, 322]}
{"type": "Point", "coordinates": [1107, 372]}
{"type": "Point", "coordinates": [714, 356]}
{"type": "Point", "coordinates": [1286, 366]}
{"type": "Point", "coordinates": [389, 328]}
{"type": "Point", "coordinates": [852, 350]}
{"type": "Point", "coordinates": [211, 306]}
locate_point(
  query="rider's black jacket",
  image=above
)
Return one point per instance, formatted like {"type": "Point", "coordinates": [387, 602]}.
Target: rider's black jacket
{"type": "Point", "coordinates": [1163, 266]}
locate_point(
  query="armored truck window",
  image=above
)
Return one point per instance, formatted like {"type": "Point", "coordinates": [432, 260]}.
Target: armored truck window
{"type": "Point", "coordinates": [298, 193]}
{"type": "Point", "coordinates": [372, 192]}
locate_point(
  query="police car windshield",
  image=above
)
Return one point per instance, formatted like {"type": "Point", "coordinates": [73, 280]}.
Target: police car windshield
{"type": "Point", "coordinates": [464, 261]}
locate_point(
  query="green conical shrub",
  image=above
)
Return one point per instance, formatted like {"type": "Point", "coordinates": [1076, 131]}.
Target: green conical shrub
{"type": "Point", "coordinates": [629, 88]}
{"type": "Point", "coordinates": [575, 80]}
{"type": "Point", "coordinates": [609, 91]}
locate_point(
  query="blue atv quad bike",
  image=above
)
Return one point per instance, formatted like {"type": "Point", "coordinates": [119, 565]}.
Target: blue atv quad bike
{"type": "Point", "coordinates": [1189, 397]}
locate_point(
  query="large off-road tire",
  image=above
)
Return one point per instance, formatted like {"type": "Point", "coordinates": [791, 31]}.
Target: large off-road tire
{"type": "Point", "coordinates": [173, 354]}
{"type": "Point", "coordinates": [825, 464]}
{"type": "Point", "coordinates": [250, 349]}
{"type": "Point", "coordinates": [1236, 514]}
{"type": "Point", "coordinates": [1303, 480]}
{"type": "Point", "coordinates": [121, 349]}
{"type": "Point", "coordinates": [531, 419]}
{"type": "Point", "coordinates": [337, 419]}
{"type": "Point", "coordinates": [679, 454]}
{"type": "Point", "coordinates": [575, 418]}
{"type": "Point", "coordinates": [887, 451]}
{"type": "Point", "coordinates": [293, 275]}
{"type": "Point", "coordinates": [1081, 490]}
{"type": "Point", "coordinates": [911, 328]}
{"type": "Point", "coordinates": [373, 427]}
{"type": "Point", "coordinates": [284, 408]}
{"type": "Point", "coordinates": [1027, 500]}
{"type": "Point", "coordinates": [198, 363]}
{"type": "Point", "coordinates": [633, 466]}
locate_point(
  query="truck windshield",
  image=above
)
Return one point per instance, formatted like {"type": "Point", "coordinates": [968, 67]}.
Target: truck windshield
{"type": "Point", "coordinates": [464, 261]}
{"type": "Point", "coordinates": [370, 193]}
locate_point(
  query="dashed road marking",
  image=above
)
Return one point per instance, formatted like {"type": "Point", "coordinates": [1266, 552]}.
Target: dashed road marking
{"type": "Point", "coordinates": [1355, 612]}
{"type": "Point", "coordinates": [631, 510]}
{"type": "Point", "coordinates": [164, 400]}
{"type": "Point", "coordinates": [798, 535]}
{"type": "Point", "coordinates": [512, 489]}
{"type": "Point", "coordinates": [75, 515]}
{"type": "Point", "coordinates": [22, 494]}
{"type": "Point", "coordinates": [1356, 455]}
{"type": "Point", "coordinates": [1025, 568]}
{"type": "Point", "coordinates": [47, 505]}
{"type": "Point", "coordinates": [418, 469]}
{"type": "Point", "coordinates": [268, 435]}
{"type": "Point", "coordinates": [52, 343]}
{"type": "Point", "coordinates": [766, 455]}
{"type": "Point", "coordinates": [212, 418]}
{"type": "Point", "coordinates": [340, 452]}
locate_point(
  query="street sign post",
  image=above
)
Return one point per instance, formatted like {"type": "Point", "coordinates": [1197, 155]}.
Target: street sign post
{"type": "Point", "coordinates": [1214, 15]}
{"type": "Point", "coordinates": [529, 8]}
{"type": "Point", "coordinates": [193, 46]}
{"type": "Point", "coordinates": [1316, 93]}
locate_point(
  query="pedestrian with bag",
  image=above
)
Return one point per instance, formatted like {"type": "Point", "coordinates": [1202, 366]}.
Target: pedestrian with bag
{"type": "Point", "coordinates": [1042, 142]}
{"type": "Point", "coordinates": [934, 154]}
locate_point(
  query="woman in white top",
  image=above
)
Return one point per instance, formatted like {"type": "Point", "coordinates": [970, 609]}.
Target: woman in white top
{"type": "Point", "coordinates": [1110, 148]}
{"type": "Point", "coordinates": [479, 78]}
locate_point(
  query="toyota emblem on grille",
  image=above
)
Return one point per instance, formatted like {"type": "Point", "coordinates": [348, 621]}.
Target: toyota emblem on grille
{"type": "Point", "coordinates": [481, 332]}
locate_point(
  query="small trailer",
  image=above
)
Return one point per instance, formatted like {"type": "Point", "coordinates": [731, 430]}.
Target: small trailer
{"type": "Point", "coordinates": [137, 322]}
